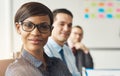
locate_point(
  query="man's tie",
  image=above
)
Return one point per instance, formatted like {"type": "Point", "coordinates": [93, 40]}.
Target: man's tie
{"type": "Point", "coordinates": [62, 55]}
{"type": "Point", "coordinates": [74, 50]}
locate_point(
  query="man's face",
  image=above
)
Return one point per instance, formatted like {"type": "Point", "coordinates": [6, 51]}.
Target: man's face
{"type": "Point", "coordinates": [76, 35]}
{"type": "Point", "coordinates": [62, 27]}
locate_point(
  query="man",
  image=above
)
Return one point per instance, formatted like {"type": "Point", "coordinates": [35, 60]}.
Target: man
{"type": "Point", "coordinates": [62, 26]}
{"type": "Point", "coordinates": [81, 52]}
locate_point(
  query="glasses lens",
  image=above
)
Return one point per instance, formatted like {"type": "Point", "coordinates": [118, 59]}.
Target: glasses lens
{"type": "Point", "coordinates": [44, 27]}
{"type": "Point", "coordinates": [28, 26]}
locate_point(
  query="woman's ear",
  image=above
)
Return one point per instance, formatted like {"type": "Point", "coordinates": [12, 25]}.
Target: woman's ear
{"type": "Point", "coordinates": [17, 25]}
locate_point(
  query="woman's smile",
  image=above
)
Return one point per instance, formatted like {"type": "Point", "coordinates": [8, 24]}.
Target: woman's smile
{"type": "Point", "coordinates": [35, 41]}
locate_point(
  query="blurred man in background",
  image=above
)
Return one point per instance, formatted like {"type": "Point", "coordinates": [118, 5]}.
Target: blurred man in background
{"type": "Point", "coordinates": [81, 52]}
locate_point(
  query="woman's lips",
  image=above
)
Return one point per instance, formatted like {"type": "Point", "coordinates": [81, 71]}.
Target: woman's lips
{"type": "Point", "coordinates": [35, 41]}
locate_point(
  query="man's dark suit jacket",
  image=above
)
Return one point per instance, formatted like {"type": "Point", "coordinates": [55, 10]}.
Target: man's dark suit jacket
{"type": "Point", "coordinates": [83, 60]}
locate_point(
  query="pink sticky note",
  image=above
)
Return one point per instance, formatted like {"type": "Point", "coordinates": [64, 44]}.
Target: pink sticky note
{"type": "Point", "coordinates": [118, 10]}
{"type": "Point", "coordinates": [101, 16]}
{"type": "Point", "coordinates": [110, 4]}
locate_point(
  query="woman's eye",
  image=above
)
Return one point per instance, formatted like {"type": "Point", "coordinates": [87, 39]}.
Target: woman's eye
{"type": "Point", "coordinates": [29, 25]}
{"type": "Point", "coordinates": [44, 26]}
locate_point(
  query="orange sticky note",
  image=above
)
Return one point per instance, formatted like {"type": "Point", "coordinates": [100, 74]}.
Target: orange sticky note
{"type": "Point", "coordinates": [86, 10]}
{"type": "Point", "coordinates": [101, 4]}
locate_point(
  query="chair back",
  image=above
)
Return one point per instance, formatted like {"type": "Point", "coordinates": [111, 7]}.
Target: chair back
{"type": "Point", "coordinates": [3, 65]}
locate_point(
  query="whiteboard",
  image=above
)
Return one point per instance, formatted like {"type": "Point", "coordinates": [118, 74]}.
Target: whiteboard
{"type": "Point", "coordinates": [99, 32]}
{"type": "Point", "coordinates": [102, 33]}
{"type": "Point", "coordinates": [102, 27]}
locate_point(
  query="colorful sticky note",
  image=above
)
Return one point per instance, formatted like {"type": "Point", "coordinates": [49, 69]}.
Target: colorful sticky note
{"type": "Point", "coordinates": [93, 15]}
{"type": "Point", "coordinates": [101, 4]}
{"type": "Point", "coordinates": [93, 4]}
{"type": "Point", "coordinates": [101, 15]}
{"type": "Point", "coordinates": [110, 4]}
{"type": "Point", "coordinates": [86, 16]}
{"type": "Point", "coordinates": [109, 15]}
{"type": "Point", "coordinates": [118, 10]}
{"type": "Point", "coordinates": [117, 16]}
{"type": "Point", "coordinates": [109, 10]}
{"type": "Point", "coordinates": [86, 10]}
{"type": "Point", "coordinates": [101, 10]}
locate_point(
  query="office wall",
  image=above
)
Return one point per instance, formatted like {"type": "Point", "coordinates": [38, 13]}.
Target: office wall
{"type": "Point", "coordinates": [5, 29]}
{"type": "Point", "coordinates": [99, 33]}
{"type": "Point", "coordinates": [106, 59]}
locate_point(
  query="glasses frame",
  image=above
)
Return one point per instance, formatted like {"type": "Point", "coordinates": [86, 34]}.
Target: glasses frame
{"type": "Point", "coordinates": [35, 25]}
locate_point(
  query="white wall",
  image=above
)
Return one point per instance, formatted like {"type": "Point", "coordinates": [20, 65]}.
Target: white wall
{"type": "Point", "coordinates": [106, 59]}
{"type": "Point", "coordinates": [102, 58]}
{"type": "Point", "coordinates": [5, 30]}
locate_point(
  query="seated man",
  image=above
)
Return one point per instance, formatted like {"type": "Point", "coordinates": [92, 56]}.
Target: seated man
{"type": "Point", "coordinates": [56, 46]}
{"type": "Point", "coordinates": [81, 52]}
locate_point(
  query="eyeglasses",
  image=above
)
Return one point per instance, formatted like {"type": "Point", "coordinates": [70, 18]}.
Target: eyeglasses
{"type": "Point", "coordinates": [29, 26]}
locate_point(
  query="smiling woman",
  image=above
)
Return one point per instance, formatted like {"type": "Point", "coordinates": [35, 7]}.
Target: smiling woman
{"type": "Point", "coordinates": [33, 22]}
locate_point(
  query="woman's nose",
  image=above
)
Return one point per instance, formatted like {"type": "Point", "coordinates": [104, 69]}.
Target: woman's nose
{"type": "Point", "coordinates": [35, 31]}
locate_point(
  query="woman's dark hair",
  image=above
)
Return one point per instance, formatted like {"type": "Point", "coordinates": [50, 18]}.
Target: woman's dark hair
{"type": "Point", "coordinates": [32, 9]}
{"type": "Point", "coordinates": [62, 10]}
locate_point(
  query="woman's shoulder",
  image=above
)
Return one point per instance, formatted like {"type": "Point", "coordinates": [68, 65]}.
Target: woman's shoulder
{"type": "Point", "coordinates": [17, 63]}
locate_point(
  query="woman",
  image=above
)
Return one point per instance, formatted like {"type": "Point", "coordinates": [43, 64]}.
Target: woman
{"type": "Point", "coordinates": [33, 22]}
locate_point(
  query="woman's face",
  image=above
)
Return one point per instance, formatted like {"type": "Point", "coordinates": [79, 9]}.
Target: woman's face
{"type": "Point", "coordinates": [34, 40]}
